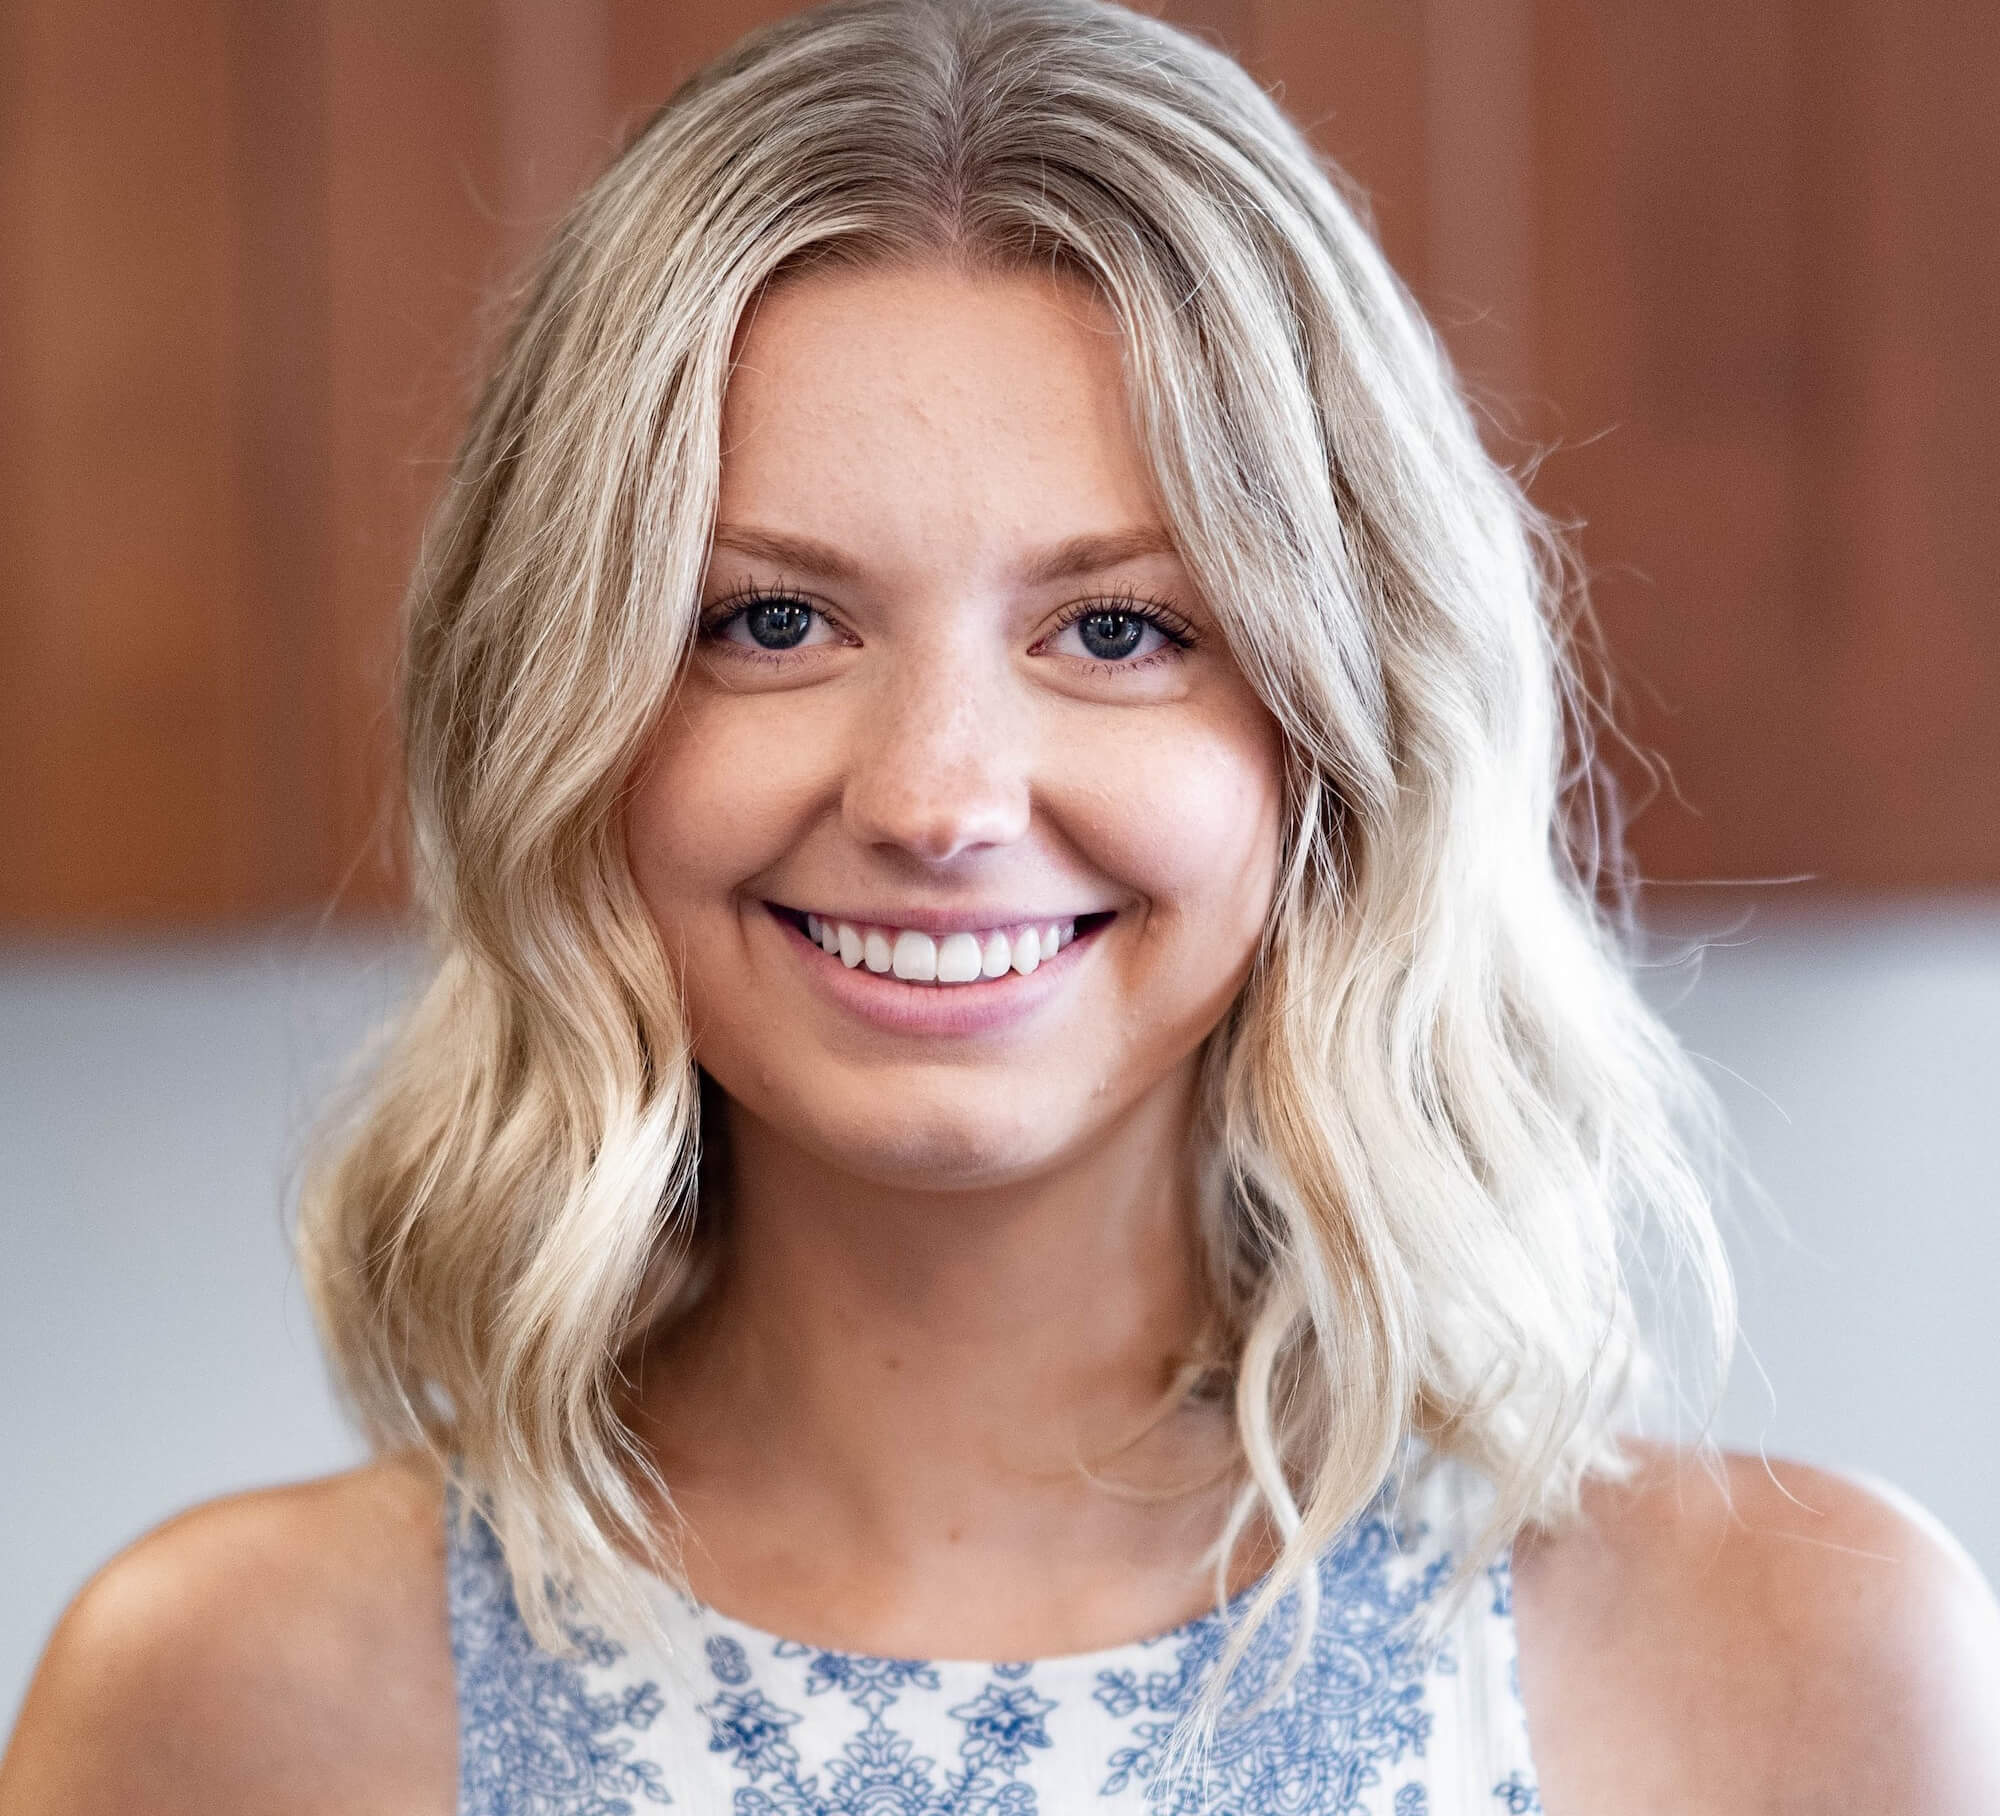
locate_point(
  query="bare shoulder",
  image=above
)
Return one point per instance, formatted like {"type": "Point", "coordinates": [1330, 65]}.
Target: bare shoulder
{"type": "Point", "coordinates": [279, 1651]}
{"type": "Point", "coordinates": [1735, 1635]}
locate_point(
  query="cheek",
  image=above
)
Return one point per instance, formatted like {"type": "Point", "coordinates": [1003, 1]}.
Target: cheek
{"type": "Point", "coordinates": [1191, 819]}
{"type": "Point", "coordinates": [719, 798]}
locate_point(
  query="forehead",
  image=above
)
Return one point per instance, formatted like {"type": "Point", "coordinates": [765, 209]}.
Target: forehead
{"type": "Point", "coordinates": [917, 403]}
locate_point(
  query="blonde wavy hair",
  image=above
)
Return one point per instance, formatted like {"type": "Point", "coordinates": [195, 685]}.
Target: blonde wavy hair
{"type": "Point", "coordinates": [1444, 1136]}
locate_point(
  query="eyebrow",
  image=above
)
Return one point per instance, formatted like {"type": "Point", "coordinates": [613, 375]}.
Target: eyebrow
{"type": "Point", "coordinates": [1086, 554]}
{"type": "Point", "coordinates": [1092, 554]}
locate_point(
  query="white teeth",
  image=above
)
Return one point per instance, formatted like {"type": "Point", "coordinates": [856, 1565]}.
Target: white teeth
{"type": "Point", "coordinates": [958, 958]}
{"type": "Point", "coordinates": [915, 957]}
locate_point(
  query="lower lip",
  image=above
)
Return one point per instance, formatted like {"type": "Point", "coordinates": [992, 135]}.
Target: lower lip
{"type": "Point", "coordinates": [901, 1007]}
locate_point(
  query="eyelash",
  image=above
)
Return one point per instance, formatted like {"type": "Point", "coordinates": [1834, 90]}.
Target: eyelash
{"type": "Point", "coordinates": [737, 601]}
{"type": "Point", "coordinates": [1180, 635]}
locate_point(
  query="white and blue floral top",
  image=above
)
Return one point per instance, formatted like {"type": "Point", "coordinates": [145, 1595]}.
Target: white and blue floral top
{"type": "Point", "coordinates": [724, 1720]}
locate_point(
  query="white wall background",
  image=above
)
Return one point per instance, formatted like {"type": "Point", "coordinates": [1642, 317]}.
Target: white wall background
{"type": "Point", "coordinates": [155, 1349]}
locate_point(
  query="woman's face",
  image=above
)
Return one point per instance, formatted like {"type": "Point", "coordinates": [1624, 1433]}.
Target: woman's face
{"type": "Point", "coordinates": [954, 690]}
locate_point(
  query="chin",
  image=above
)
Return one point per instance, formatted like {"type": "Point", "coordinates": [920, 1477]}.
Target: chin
{"type": "Point", "coordinates": [948, 1140]}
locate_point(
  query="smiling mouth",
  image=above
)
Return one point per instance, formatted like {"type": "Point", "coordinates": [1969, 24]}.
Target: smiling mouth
{"type": "Point", "coordinates": [915, 957]}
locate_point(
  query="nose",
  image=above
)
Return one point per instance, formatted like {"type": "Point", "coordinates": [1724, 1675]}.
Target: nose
{"type": "Point", "coordinates": [941, 762]}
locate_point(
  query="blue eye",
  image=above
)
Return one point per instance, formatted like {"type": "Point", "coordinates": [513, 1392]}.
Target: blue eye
{"type": "Point", "coordinates": [1110, 636]}
{"type": "Point", "coordinates": [778, 623]}
{"type": "Point", "coordinates": [1127, 633]}
{"type": "Point", "coordinates": [1124, 633]}
{"type": "Point", "coordinates": [767, 624]}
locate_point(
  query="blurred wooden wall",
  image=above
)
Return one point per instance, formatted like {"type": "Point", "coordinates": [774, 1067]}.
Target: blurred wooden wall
{"type": "Point", "coordinates": [1734, 265]}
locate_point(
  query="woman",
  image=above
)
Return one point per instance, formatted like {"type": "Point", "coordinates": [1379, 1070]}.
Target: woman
{"type": "Point", "coordinates": [1023, 1046]}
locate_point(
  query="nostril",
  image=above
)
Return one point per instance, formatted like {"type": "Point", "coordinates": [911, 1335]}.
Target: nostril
{"type": "Point", "coordinates": [937, 804]}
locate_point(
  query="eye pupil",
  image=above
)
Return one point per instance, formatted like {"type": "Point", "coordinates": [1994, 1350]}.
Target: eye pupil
{"type": "Point", "coordinates": [778, 623]}
{"type": "Point", "coordinates": [1109, 635]}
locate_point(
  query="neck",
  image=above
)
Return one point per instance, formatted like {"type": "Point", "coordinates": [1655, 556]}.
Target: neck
{"type": "Point", "coordinates": [892, 1350]}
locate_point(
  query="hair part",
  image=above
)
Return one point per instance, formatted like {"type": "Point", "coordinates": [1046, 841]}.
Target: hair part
{"type": "Point", "coordinates": [1441, 1128]}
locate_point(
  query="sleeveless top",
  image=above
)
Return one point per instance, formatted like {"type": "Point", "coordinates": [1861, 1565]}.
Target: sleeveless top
{"type": "Point", "coordinates": [1385, 1717]}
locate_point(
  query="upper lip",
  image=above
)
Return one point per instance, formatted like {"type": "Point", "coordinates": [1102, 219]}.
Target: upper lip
{"type": "Point", "coordinates": [940, 921]}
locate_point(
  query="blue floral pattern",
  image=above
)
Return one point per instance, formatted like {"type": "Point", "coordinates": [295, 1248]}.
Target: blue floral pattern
{"type": "Point", "coordinates": [878, 1772]}
{"type": "Point", "coordinates": [761, 1726]}
{"type": "Point", "coordinates": [534, 1740]}
{"type": "Point", "coordinates": [1355, 1706]}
